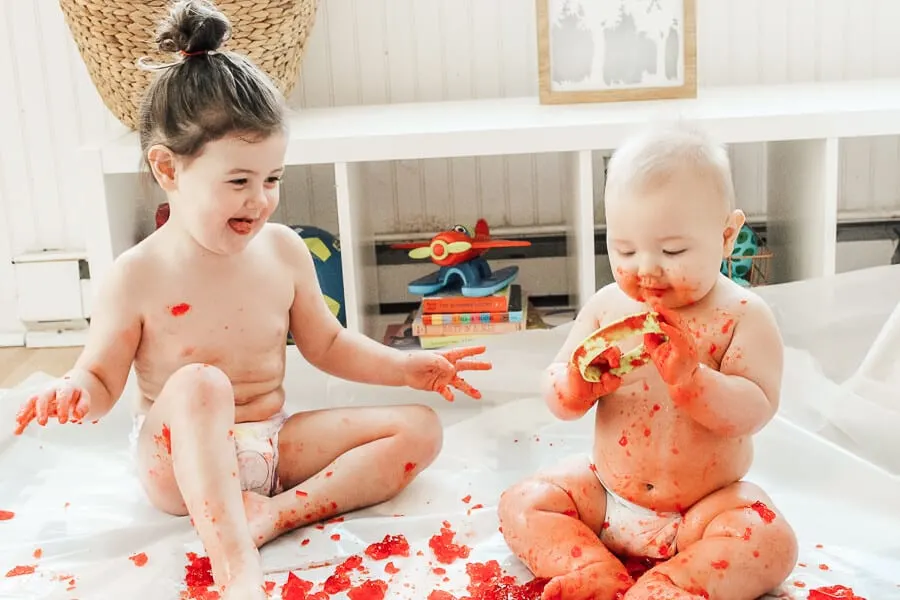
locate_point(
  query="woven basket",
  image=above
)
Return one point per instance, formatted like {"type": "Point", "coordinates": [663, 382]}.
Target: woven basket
{"type": "Point", "coordinates": [112, 35]}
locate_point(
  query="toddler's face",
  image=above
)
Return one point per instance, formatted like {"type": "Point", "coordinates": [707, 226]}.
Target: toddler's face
{"type": "Point", "coordinates": [666, 240]}
{"type": "Point", "coordinates": [229, 191]}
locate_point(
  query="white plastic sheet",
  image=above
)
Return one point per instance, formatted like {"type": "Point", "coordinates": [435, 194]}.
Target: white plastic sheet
{"type": "Point", "coordinates": [76, 497]}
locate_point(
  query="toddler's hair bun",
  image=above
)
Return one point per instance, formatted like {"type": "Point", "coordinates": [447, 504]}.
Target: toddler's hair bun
{"type": "Point", "coordinates": [193, 26]}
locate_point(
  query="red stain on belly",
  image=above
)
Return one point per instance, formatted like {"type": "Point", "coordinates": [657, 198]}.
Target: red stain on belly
{"type": "Point", "coordinates": [180, 309]}
{"type": "Point", "coordinates": [409, 467]}
{"type": "Point", "coordinates": [623, 441]}
{"type": "Point", "coordinates": [720, 565]}
{"type": "Point", "coordinates": [139, 560]}
{"type": "Point", "coordinates": [727, 326]}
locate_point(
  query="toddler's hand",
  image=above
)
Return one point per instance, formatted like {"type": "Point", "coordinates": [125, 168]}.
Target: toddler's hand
{"type": "Point", "coordinates": [675, 358]}
{"type": "Point", "coordinates": [61, 399]}
{"type": "Point", "coordinates": [438, 371]}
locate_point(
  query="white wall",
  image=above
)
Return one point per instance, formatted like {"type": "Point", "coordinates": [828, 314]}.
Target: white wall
{"type": "Point", "coordinates": [372, 51]}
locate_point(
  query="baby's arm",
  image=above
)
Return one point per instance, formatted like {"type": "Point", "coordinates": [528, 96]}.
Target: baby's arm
{"type": "Point", "coordinates": [319, 336]}
{"type": "Point", "coordinates": [566, 393]}
{"type": "Point", "coordinates": [743, 395]}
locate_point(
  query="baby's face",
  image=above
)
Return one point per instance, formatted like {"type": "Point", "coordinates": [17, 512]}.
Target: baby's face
{"type": "Point", "coordinates": [666, 240]}
{"type": "Point", "coordinates": [229, 191]}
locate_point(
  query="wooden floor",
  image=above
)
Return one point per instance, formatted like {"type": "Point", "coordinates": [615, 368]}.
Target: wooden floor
{"type": "Point", "coordinates": [17, 364]}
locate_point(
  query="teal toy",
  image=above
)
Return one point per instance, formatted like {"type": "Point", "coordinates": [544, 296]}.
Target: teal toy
{"type": "Point", "coordinates": [746, 244]}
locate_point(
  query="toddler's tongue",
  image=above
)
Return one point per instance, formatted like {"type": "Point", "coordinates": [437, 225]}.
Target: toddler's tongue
{"type": "Point", "coordinates": [240, 226]}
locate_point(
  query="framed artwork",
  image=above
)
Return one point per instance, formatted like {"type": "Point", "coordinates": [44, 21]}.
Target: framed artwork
{"type": "Point", "coordinates": [616, 50]}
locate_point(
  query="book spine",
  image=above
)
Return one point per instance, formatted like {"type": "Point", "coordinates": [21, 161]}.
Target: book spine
{"type": "Point", "coordinates": [420, 329]}
{"type": "Point", "coordinates": [447, 319]}
{"type": "Point", "coordinates": [491, 304]}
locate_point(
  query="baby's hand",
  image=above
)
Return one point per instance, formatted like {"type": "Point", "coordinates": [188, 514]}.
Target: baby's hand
{"type": "Point", "coordinates": [573, 391]}
{"type": "Point", "coordinates": [675, 358]}
{"type": "Point", "coordinates": [61, 399]}
{"type": "Point", "coordinates": [438, 371]}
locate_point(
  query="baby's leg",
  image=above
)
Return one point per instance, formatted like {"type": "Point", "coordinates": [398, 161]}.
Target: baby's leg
{"type": "Point", "coordinates": [187, 464]}
{"type": "Point", "coordinates": [338, 460]}
{"type": "Point", "coordinates": [734, 544]}
{"type": "Point", "coordinates": [552, 522]}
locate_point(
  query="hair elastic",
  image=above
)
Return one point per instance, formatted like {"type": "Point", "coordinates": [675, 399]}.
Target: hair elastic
{"type": "Point", "coordinates": [186, 54]}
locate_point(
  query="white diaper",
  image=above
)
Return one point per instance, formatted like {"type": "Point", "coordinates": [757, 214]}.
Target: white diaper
{"type": "Point", "coordinates": [632, 530]}
{"type": "Point", "coordinates": [256, 445]}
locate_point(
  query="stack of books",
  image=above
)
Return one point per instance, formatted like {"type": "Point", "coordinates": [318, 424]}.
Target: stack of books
{"type": "Point", "coordinates": [448, 318]}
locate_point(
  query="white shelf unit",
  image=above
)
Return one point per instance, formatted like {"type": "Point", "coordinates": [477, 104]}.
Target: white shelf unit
{"type": "Point", "coordinates": [801, 125]}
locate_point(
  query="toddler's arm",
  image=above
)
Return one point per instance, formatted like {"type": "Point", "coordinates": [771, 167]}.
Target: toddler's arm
{"type": "Point", "coordinates": [743, 395]}
{"type": "Point", "coordinates": [319, 336]}
{"type": "Point", "coordinates": [103, 366]}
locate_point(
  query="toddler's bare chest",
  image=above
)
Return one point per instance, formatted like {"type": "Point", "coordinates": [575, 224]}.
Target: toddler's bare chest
{"type": "Point", "coordinates": [216, 325]}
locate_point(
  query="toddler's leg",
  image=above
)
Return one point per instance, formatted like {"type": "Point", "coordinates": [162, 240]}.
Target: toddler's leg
{"type": "Point", "coordinates": [187, 463]}
{"type": "Point", "coordinates": [551, 522]}
{"type": "Point", "coordinates": [734, 545]}
{"type": "Point", "coordinates": [338, 460]}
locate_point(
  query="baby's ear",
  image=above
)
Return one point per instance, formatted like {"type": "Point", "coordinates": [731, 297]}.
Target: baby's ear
{"type": "Point", "coordinates": [162, 164]}
{"type": "Point", "coordinates": [733, 225]}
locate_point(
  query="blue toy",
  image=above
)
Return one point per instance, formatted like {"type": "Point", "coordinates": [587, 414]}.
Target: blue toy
{"type": "Point", "coordinates": [459, 254]}
{"type": "Point", "coordinates": [326, 252]}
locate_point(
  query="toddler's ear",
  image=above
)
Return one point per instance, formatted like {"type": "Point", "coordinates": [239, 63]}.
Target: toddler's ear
{"type": "Point", "coordinates": [733, 225]}
{"type": "Point", "coordinates": [162, 164]}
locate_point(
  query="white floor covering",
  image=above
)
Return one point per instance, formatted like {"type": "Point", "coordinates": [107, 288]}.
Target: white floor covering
{"type": "Point", "coordinates": [830, 460]}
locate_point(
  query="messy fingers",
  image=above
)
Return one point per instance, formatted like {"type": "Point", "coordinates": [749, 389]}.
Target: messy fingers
{"type": "Point", "coordinates": [446, 393]}
{"type": "Point", "coordinates": [81, 406]}
{"type": "Point", "coordinates": [458, 353]}
{"type": "Point", "coordinates": [27, 409]}
{"type": "Point", "coordinates": [465, 388]}
{"type": "Point", "coordinates": [64, 402]}
{"type": "Point", "coordinates": [473, 365]}
{"type": "Point", "coordinates": [26, 415]}
{"type": "Point", "coordinates": [43, 407]}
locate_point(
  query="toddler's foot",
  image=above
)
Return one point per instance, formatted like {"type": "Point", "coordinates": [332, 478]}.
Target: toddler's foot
{"type": "Point", "coordinates": [262, 517]}
{"type": "Point", "coordinates": [658, 586]}
{"type": "Point", "coordinates": [244, 590]}
{"type": "Point", "coordinates": [596, 581]}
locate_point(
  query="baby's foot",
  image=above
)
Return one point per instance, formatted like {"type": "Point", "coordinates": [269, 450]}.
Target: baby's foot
{"type": "Point", "coordinates": [658, 586]}
{"type": "Point", "coordinates": [596, 581]}
{"type": "Point", "coordinates": [262, 517]}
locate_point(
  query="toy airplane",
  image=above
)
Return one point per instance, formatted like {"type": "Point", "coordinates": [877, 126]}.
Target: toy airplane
{"type": "Point", "coordinates": [459, 253]}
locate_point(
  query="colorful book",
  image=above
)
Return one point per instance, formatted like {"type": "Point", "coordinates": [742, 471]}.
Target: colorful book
{"type": "Point", "coordinates": [453, 302]}
{"type": "Point", "coordinates": [428, 342]}
{"type": "Point", "coordinates": [513, 314]}
{"type": "Point", "coordinates": [420, 329]}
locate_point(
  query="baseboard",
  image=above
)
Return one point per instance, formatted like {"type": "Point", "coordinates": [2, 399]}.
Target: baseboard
{"type": "Point", "coordinates": [12, 339]}
{"type": "Point", "coordinates": [56, 339]}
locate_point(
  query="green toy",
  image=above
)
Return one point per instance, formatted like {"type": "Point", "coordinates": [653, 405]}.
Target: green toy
{"type": "Point", "coordinates": [746, 244]}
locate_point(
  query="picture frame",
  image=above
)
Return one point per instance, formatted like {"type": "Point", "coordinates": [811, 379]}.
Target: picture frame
{"type": "Point", "coordinates": [655, 42]}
